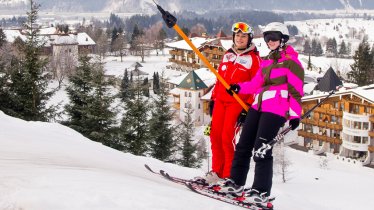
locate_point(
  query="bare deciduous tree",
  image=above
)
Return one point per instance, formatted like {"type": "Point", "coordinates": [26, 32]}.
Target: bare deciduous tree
{"type": "Point", "coordinates": [281, 162]}
{"type": "Point", "coordinates": [119, 45]}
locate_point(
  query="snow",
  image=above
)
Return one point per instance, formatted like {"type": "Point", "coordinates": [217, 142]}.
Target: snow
{"type": "Point", "coordinates": [49, 166]}
{"type": "Point", "coordinates": [84, 39]}
{"type": "Point", "coordinates": [196, 41]}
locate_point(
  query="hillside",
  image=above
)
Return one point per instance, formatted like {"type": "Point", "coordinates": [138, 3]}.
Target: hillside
{"type": "Point", "coordinates": [49, 166]}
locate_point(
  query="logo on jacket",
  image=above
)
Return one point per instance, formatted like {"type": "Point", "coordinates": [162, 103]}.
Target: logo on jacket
{"type": "Point", "coordinates": [229, 57]}
{"type": "Point", "coordinates": [245, 61]}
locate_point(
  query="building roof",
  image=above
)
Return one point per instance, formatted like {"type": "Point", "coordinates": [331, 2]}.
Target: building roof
{"type": "Point", "coordinates": [204, 73]}
{"type": "Point", "coordinates": [84, 39]}
{"type": "Point", "coordinates": [364, 92]}
{"type": "Point", "coordinates": [330, 81]}
{"type": "Point", "coordinates": [136, 65]}
{"type": "Point", "coordinates": [65, 40]}
{"type": "Point", "coordinates": [221, 34]}
{"type": "Point", "coordinates": [192, 82]}
{"type": "Point", "coordinates": [181, 44]}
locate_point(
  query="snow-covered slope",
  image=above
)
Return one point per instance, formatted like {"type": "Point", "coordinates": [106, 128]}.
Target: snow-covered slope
{"type": "Point", "coordinates": [47, 166]}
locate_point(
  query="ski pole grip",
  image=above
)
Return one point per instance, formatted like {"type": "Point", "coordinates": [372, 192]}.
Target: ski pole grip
{"type": "Point", "coordinates": [169, 19]}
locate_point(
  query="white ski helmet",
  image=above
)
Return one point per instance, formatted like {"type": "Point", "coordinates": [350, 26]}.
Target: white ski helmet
{"type": "Point", "coordinates": [280, 27]}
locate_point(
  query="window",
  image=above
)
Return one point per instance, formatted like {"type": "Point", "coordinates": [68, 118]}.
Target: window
{"type": "Point", "coordinates": [364, 139]}
{"type": "Point", "coordinates": [198, 106]}
{"type": "Point", "coordinates": [347, 123]}
{"type": "Point", "coordinates": [341, 106]}
{"type": "Point", "coordinates": [189, 94]}
{"type": "Point", "coordinates": [333, 119]}
{"type": "Point", "coordinates": [357, 125]}
{"type": "Point", "coordinates": [357, 139]}
{"type": "Point", "coordinates": [365, 126]}
{"type": "Point", "coordinates": [185, 94]}
{"type": "Point", "coordinates": [368, 110]}
{"type": "Point", "coordinates": [354, 109]}
{"type": "Point", "coordinates": [199, 94]}
{"type": "Point", "coordinates": [335, 105]}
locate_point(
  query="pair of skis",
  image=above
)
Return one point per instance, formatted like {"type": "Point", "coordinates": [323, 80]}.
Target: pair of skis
{"type": "Point", "coordinates": [207, 192]}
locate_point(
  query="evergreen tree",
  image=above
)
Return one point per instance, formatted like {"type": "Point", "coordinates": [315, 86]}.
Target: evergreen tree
{"type": "Point", "coordinates": [318, 49]}
{"type": "Point", "coordinates": [79, 92]}
{"type": "Point", "coordinates": [125, 86]}
{"type": "Point", "coordinates": [145, 87]}
{"type": "Point", "coordinates": [309, 63]}
{"type": "Point", "coordinates": [29, 82]}
{"type": "Point", "coordinates": [101, 117]}
{"type": "Point", "coordinates": [314, 47]}
{"type": "Point", "coordinates": [156, 83]}
{"type": "Point", "coordinates": [201, 148]}
{"type": "Point", "coordinates": [185, 139]}
{"type": "Point", "coordinates": [334, 47]}
{"type": "Point", "coordinates": [134, 127]}
{"type": "Point", "coordinates": [2, 37]}
{"type": "Point", "coordinates": [343, 49]}
{"type": "Point", "coordinates": [307, 47]}
{"type": "Point", "coordinates": [89, 110]}
{"type": "Point", "coordinates": [331, 47]}
{"type": "Point", "coordinates": [5, 99]}
{"type": "Point", "coordinates": [162, 145]}
{"type": "Point", "coordinates": [136, 34]}
{"type": "Point", "coordinates": [362, 66]}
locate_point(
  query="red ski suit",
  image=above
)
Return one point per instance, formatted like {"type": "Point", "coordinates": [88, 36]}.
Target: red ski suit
{"type": "Point", "coordinates": [234, 68]}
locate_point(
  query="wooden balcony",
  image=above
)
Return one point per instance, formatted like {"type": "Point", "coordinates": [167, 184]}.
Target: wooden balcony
{"type": "Point", "coordinates": [176, 106]}
{"type": "Point", "coordinates": [176, 52]}
{"type": "Point", "coordinates": [313, 136]}
{"type": "Point", "coordinates": [215, 52]}
{"type": "Point", "coordinates": [371, 133]}
{"type": "Point", "coordinates": [371, 148]}
{"type": "Point", "coordinates": [191, 55]}
{"type": "Point", "coordinates": [371, 118]}
{"type": "Point", "coordinates": [334, 126]}
{"type": "Point", "coordinates": [334, 112]}
{"type": "Point", "coordinates": [320, 110]}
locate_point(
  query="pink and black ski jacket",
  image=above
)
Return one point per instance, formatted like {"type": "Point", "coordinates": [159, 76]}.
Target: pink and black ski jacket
{"type": "Point", "coordinates": [278, 84]}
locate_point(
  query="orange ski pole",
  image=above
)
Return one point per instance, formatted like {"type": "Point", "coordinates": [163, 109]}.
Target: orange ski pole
{"type": "Point", "coordinates": [171, 22]}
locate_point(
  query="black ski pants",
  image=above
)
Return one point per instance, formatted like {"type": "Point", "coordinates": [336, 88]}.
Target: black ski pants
{"type": "Point", "coordinates": [259, 127]}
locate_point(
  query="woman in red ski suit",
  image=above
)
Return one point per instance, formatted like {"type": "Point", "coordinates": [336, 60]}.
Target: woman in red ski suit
{"type": "Point", "coordinates": [239, 64]}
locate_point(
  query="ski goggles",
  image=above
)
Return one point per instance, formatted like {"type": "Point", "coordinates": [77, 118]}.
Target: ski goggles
{"type": "Point", "coordinates": [243, 27]}
{"type": "Point", "coordinates": [273, 36]}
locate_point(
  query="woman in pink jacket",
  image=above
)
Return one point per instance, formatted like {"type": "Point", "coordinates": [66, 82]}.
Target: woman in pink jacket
{"type": "Point", "coordinates": [239, 64]}
{"type": "Point", "coordinates": [278, 88]}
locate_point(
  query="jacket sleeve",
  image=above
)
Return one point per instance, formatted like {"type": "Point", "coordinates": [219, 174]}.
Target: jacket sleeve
{"type": "Point", "coordinates": [295, 78]}
{"type": "Point", "coordinates": [251, 86]}
{"type": "Point", "coordinates": [256, 61]}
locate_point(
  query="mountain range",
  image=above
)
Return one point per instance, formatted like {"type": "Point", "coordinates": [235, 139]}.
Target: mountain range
{"type": "Point", "coordinates": [147, 6]}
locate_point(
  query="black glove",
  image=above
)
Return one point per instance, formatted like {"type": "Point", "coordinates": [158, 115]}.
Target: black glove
{"type": "Point", "coordinates": [211, 106]}
{"type": "Point", "coordinates": [234, 88]}
{"type": "Point", "coordinates": [294, 123]}
{"type": "Point", "coordinates": [241, 117]}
